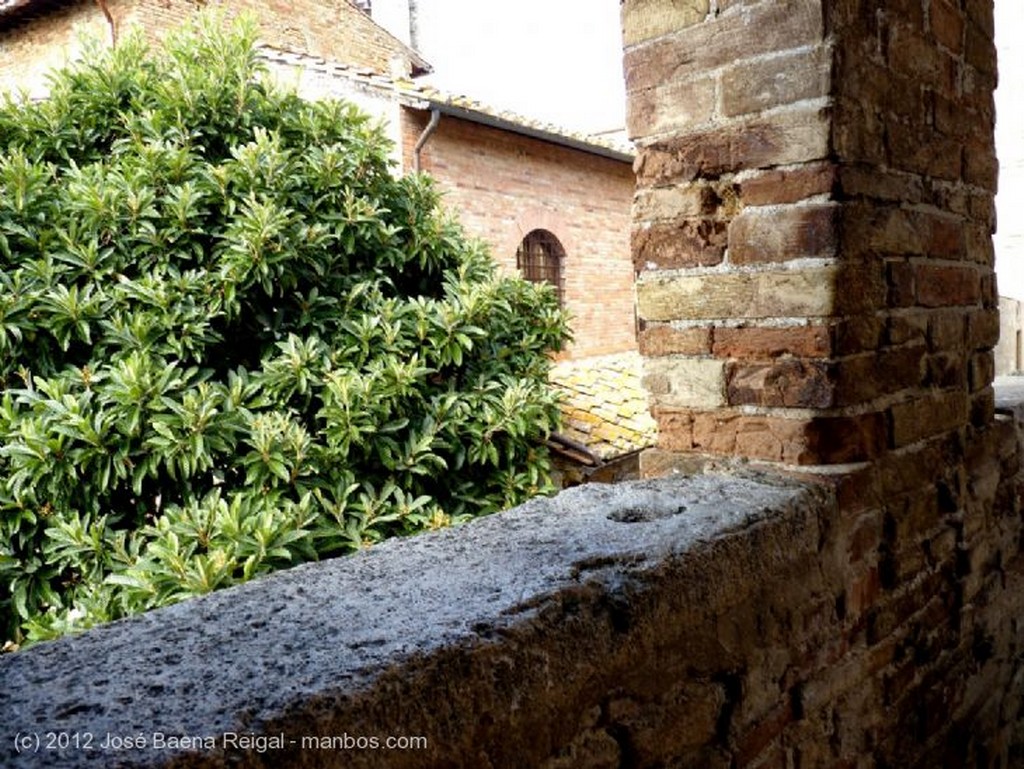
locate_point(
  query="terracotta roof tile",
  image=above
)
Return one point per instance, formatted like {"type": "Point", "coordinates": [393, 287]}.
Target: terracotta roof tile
{"type": "Point", "coordinates": [424, 96]}
{"type": "Point", "coordinates": [604, 406]}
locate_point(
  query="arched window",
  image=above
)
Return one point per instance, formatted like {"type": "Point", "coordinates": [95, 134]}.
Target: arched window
{"type": "Point", "coordinates": [540, 258]}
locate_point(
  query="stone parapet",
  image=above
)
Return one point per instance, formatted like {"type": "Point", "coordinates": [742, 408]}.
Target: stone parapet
{"type": "Point", "coordinates": [705, 620]}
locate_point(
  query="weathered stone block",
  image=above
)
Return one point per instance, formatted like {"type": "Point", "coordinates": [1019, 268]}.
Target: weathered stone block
{"type": "Point", "coordinates": [659, 462]}
{"type": "Point", "coordinates": [946, 331]}
{"type": "Point", "coordinates": [914, 56]}
{"type": "Point", "coordinates": [763, 84]}
{"type": "Point", "coordinates": [845, 439]}
{"type": "Point", "coordinates": [979, 48]}
{"type": "Point", "coordinates": [648, 19]}
{"type": "Point", "coordinates": [656, 341]}
{"type": "Point", "coordinates": [672, 203]}
{"type": "Point", "coordinates": [667, 108]}
{"type": "Point", "coordinates": [980, 165]}
{"type": "Point", "coordinates": [860, 290]}
{"type": "Point", "coordinates": [890, 232]}
{"type": "Point", "coordinates": [760, 235]}
{"type": "Point", "coordinates": [592, 607]}
{"type": "Point", "coordinates": [756, 437]}
{"type": "Point", "coordinates": [789, 137]}
{"type": "Point", "coordinates": [675, 428]}
{"type": "Point", "coordinates": [982, 328]}
{"type": "Point", "coordinates": [778, 294]}
{"type": "Point", "coordinates": [982, 13]}
{"type": "Point", "coordinates": [682, 243]}
{"type": "Point", "coordinates": [906, 328]}
{"type": "Point", "coordinates": [920, 151]}
{"type": "Point", "coordinates": [947, 24]}
{"type": "Point", "coordinates": [945, 370]}
{"type": "Point", "coordinates": [981, 370]}
{"type": "Point", "coordinates": [822, 440]}
{"type": "Point", "coordinates": [927, 415]}
{"type": "Point", "coordinates": [788, 185]}
{"type": "Point", "coordinates": [782, 25]}
{"type": "Point", "coordinates": [855, 334]}
{"type": "Point", "coordinates": [789, 382]}
{"type": "Point", "coordinates": [945, 285]}
{"type": "Point", "coordinates": [760, 343]}
{"type": "Point", "coordinates": [881, 184]}
{"type": "Point", "coordinates": [885, 372]}
{"type": "Point", "coordinates": [686, 382]}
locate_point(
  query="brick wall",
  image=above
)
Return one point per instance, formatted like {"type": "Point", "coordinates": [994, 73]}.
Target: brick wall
{"type": "Point", "coordinates": [30, 48]}
{"type": "Point", "coordinates": [813, 230]}
{"type": "Point", "coordinates": [504, 185]}
{"type": "Point", "coordinates": [35, 40]}
{"type": "Point", "coordinates": [813, 224]}
{"type": "Point", "coordinates": [705, 622]}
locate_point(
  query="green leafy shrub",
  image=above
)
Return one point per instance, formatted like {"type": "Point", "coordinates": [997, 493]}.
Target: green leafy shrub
{"type": "Point", "coordinates": [231, 340]}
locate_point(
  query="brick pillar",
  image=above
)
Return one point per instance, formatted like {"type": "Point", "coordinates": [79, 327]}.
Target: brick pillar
{"type": "Point", "coordinates": [812, 223]}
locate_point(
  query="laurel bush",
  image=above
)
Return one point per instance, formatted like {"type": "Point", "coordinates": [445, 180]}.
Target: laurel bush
{"type": "Point", "coordinates": [232, 340]}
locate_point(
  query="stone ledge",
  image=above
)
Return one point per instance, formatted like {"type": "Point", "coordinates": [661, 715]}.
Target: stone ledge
{"type": "Point", "coordinates": [1009, 392]}
{"type": "Point", "coordinates": [491, 639]}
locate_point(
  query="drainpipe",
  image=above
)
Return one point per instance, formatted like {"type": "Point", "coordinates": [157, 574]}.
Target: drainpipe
{"type": "Point", "coordinates": [435, 118]}
{"type": "Point", "coordinates": [110, 21]}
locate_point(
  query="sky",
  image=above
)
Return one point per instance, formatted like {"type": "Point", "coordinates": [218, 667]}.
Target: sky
{"type": "Point", "coordinates": [561, 61]}
{"type": "Point", "coordinates": [556, 60]}
{"type": "Point", "coordinates": [1009, 238]}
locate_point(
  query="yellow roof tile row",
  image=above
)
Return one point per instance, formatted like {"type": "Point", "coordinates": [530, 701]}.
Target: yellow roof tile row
{"type": "Point", "coordinates": [422, 96]}
{"type": "Point", "coordinates": [604, 406]}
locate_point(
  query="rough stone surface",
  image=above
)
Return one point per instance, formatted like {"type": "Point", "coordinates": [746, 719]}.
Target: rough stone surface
{"type": "Point", "coordinates": [776, 294]}
{"type": "Point", "coordinates": [646, 19]}
{"type": "Point", "coordinates": [686, 381]}
{"type": "Point", "coordinates": [490, 639]}
{"type": "Point", "coordinates": [759, 235]}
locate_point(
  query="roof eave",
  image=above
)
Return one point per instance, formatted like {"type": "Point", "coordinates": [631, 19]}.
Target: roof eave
{"type": "Point", "coordinates": [495, 121]}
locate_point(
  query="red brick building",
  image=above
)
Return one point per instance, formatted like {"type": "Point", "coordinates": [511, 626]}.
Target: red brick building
{"type": "Point", "coordinates": [551, 204]}
{"type": "Point", "coordinates": [39, 35]}
{"type": "Point", "coordinates": [524, 193]}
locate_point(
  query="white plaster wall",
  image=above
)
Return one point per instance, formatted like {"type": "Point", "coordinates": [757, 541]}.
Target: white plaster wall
{"type": "Point", "coordinates": [1009, 238]}
{"type": "Point", "coordinates": [1009, 352]}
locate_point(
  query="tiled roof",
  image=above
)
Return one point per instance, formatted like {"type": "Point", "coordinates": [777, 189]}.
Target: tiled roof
{"type": "Point", "coordinates": [424, 96]}
{"type": "Point", "coordinates": [604, 406]}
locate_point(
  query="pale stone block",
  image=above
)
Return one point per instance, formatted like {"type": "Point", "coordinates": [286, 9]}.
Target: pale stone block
{"type": "Point", "coordinates": [686, 382]}
{"type": "Point", "coordinates": [669, 202]}
{"type": "Point", "coordinates": [779, 294]}
{"type": "Point", "coordinates": [647, 19]}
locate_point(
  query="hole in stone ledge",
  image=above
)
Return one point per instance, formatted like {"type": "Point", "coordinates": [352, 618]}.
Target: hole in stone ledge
{"type": "Point", "coordinates": [645, 514]}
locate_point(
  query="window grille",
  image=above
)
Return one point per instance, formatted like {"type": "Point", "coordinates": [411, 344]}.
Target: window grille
{"type": "Point", "coordinates": [539, 260]}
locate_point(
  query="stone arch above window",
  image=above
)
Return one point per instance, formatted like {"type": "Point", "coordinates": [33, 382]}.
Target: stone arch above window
{"type": "Point", "coordinates": [540, 258]}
